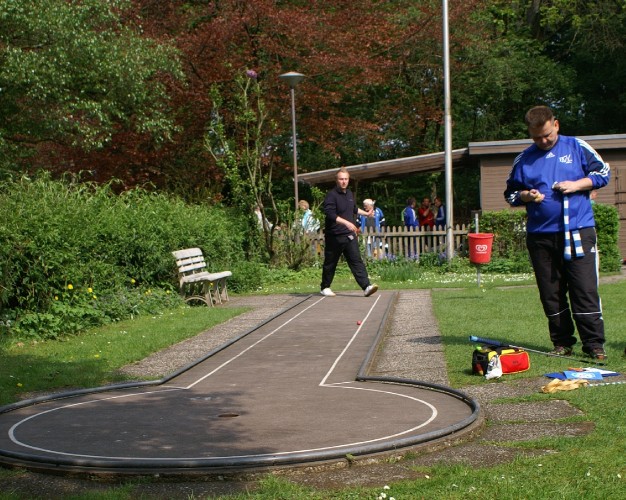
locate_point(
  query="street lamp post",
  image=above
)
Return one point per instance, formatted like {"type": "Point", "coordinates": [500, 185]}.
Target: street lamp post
{"type": "Point", "coordinates": [292, 79]}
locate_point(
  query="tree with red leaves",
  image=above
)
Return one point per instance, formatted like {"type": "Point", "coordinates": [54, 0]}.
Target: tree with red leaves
{"type": "Point", "coordinates": [371, 87]}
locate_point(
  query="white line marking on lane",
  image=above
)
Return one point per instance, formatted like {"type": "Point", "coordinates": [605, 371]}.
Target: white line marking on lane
{"type": "Point", "coordinates": [227, 362]}
{"type": "Point", "coordinates": [345, 349]}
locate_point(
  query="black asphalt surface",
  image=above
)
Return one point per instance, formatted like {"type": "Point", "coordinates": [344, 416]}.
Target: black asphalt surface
{"type": "Point", "coordinates": [294, 390]}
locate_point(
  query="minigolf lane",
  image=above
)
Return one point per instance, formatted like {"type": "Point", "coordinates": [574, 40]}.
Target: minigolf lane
{"type": "Point", "coordinates": [284, 393]}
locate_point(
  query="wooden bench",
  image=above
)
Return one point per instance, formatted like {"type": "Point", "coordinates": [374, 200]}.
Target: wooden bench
{"type": "Point", "coordinates": [196, 282]}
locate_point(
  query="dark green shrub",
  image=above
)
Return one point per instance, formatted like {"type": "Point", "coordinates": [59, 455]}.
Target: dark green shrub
{"type": "Point", "coordinates": [509, 231]}
{"type": "Point", "coordinates": [518, 263]}
{"type": "Point", "coordinates": [247, 276]}
{"type": "Point", "coordinates": [430, 260]}
{"type": "Point", "coordinates": [509, 253]}
{"type": "Point", "coordinates": [59, 239]}
{"type": "Point", "coordinates": [607, 227]}
{"type": "Point", "coordinates": [396, 269]}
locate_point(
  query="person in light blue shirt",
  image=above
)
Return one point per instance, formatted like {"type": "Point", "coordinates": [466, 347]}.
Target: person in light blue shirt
{"type": "Point", "coordinates": [372, 223]}
{"type": "Point", "coordinates": [308, 222]}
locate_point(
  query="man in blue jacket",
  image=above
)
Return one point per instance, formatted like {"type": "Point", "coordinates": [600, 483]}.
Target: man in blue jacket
{"type": "Point", "coordinates": [553, 178]}
{"type": "Point", "coordinates": [340, 236]}
{"type": "Point", "coordinates": [440, 214]}
{"type": "Point", "coordinates": [409, 216]}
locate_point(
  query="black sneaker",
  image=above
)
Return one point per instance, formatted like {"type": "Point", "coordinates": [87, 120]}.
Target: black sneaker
{"type": "Point", "coordinates": [560, 350]}
{"type": "Point", "coordinates": [597, 353]}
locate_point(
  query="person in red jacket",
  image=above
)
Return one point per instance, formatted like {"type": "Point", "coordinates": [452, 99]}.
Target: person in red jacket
{"type": "Point", "coordinates": [425, 214]}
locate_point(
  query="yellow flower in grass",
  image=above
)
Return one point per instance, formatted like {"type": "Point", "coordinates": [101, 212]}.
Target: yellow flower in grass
{"type": "Point", "coordinates": [132, 280]}
{"type": "Point", "coordinates": [89, 290]}
{"type": "Point", "coordinates": [70, 286]}
{"type": "Point", "coordinates": [56, 297]}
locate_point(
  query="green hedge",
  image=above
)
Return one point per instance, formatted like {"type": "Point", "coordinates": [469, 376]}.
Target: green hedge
{"type": "Point", "coordinates": [607, 225]}
{"type": "Point", "coordinates": [74, 255]}
{"type": "Point", "coordinates": [509, 251]}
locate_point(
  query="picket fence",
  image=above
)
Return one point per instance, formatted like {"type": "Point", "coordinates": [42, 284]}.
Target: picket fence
{"type": "Point", "coordinates": [399, 241]}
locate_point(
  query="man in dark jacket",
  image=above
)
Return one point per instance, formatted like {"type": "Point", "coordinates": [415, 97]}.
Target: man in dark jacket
{"type": "Point", "coordinates": [340, 236]}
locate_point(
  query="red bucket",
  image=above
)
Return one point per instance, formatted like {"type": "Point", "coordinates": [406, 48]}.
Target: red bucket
{"type": "Point", "coordinates": [480, 247]}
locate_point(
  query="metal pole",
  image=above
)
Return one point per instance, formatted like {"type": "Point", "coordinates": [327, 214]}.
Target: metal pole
{"type": "Point", "coordinates": [447, 136]}
{"type": "Point", "coordinates": [295, 147]}
{"type": "Point", "coordinates": [292, 79]}
{"type": "Point", "coordinates": [477, 265]}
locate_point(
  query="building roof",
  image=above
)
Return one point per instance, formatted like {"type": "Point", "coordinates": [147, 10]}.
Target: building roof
{"type": "Point", "coordinates": [435, 162]}
{"type": "Point", "coordinates": [599, 142]}
{"type": "Point", "coordinates": [432, 162]}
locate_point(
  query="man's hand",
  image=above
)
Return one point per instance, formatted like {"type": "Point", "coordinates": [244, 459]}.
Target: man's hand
{"type": "Point", "coordinates": [533, 195]}
{"type": "Point", "coordinates": [569, 187]}
{"type": "Point", "coordinates": [347, 223]}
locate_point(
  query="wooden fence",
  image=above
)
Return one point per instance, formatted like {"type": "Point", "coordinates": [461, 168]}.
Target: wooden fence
{"type": "Point", "coordinates": [399, 241]}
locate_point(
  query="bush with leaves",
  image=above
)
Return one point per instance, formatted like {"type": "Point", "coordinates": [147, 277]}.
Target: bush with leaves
{"type": "Point", "coordinates": [60, 239]}
{"type": "Point", "coordinates": [77, 73]}
{"type": "Point", "coordinates": [509, 231]}
{"type": "Point", "coordinates": [240, 139]}
{"type": "Point", "coordinates": [509, 253]}
{"type": "Point", "coordinates": [607, 227]}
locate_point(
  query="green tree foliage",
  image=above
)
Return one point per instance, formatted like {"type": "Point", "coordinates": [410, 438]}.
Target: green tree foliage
{"type": "Point", "coordinates": [239, 141]}
{"type": "Point", "coordinates": [505, 71]}
{"type": "Point", "coordinates": [74, 73]}
{"type": "Point", "coordinates": [567, 54]}
{"type": "Point", "coordinates": [589, 37]}
{"type": "Point", "coordinates": [91, 74]}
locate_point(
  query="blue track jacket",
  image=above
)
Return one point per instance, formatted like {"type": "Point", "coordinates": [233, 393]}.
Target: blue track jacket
{"type": "Point", "coordinates": [569, 159]}
{"type": "Point", "coordinates": [410, 218]}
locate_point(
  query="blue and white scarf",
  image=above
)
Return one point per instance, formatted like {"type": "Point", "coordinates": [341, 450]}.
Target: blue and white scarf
{"type": "Point", "coordinates": [574, 235]}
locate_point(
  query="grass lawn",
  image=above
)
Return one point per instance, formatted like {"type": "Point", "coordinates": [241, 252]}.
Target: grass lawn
{"type": "Point", "coordinates": [591, 466]}
{"type": "Point", "coordinates": [514, 315]}
{"type": "Point", "coordinates": [92, 359]}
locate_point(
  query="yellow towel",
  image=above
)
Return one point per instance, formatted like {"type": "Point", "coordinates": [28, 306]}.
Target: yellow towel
{"type": "Point", "coordinates": [563, 385]}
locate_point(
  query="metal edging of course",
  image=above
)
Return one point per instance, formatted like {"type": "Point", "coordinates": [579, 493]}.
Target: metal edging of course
{"type": "Point", "coordinates": [236, 463]}
{"type": "Point", "coordinates": [430, 436]}
{"type": "Point", "coordinates": [131, 385]}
